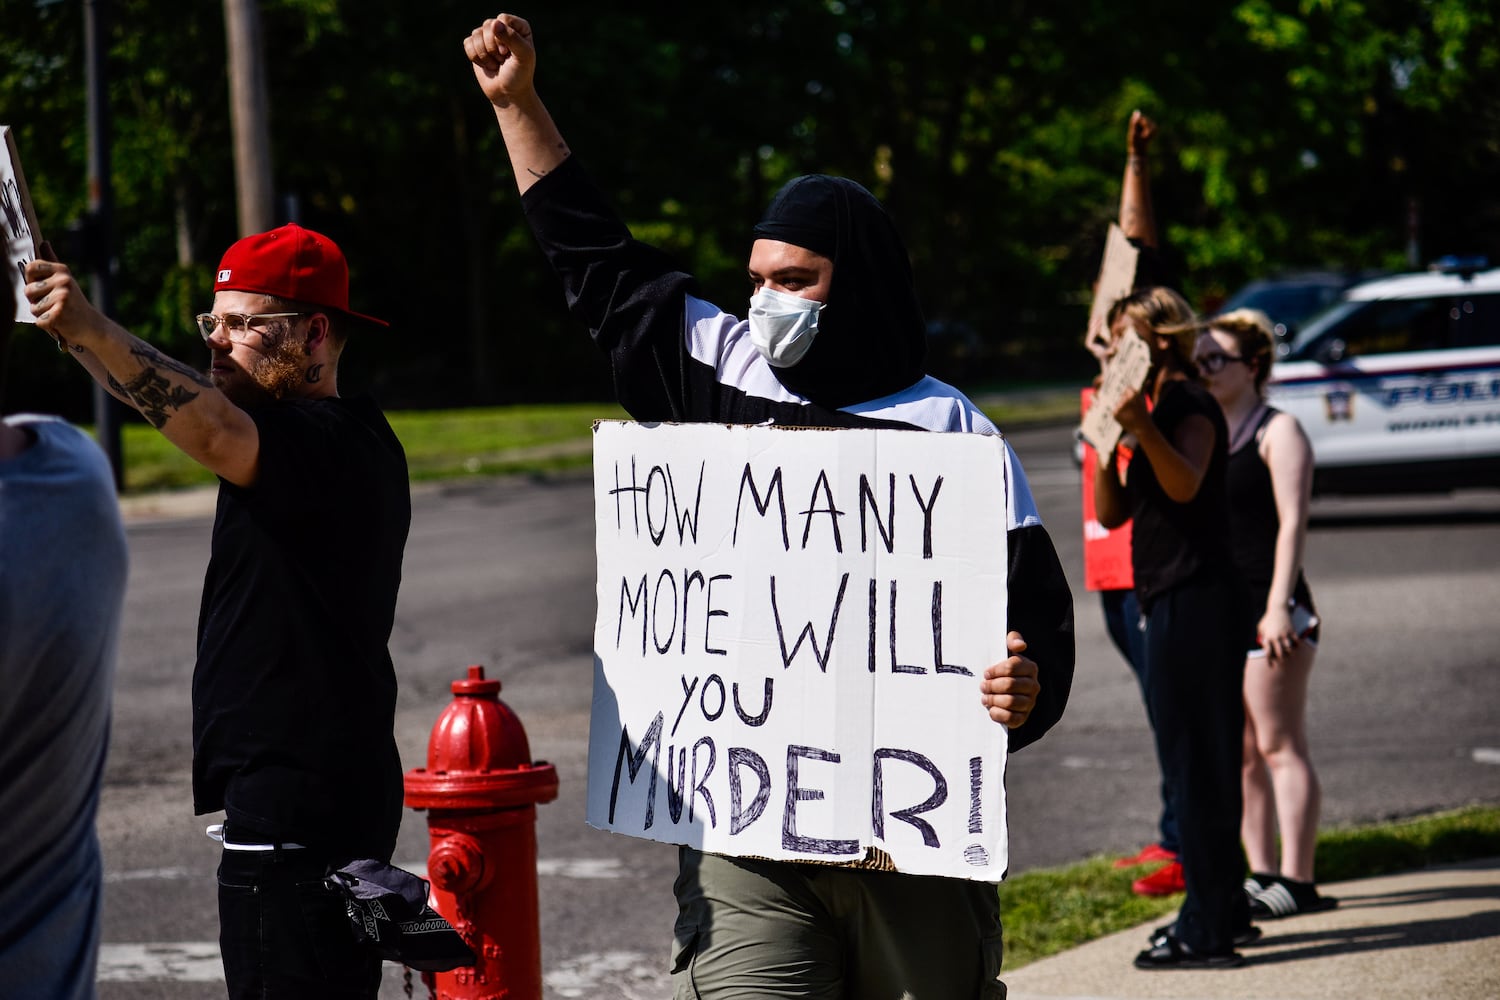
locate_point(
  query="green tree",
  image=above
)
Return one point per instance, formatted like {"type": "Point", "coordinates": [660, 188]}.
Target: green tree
{"type": "Point", "coordinates": [1294, 133]}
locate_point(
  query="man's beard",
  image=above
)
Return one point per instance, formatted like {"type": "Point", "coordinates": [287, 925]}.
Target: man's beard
{"type": "Point", "coordinates": [272, 376]}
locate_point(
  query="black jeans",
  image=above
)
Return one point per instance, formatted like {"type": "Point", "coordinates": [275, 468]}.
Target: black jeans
{"type": "Point", "coordinates": [1195, 666]}
{"type": "Point", "coordinates": [1122, 619]}
{"type": "Point", "coordinates": [283, 934]}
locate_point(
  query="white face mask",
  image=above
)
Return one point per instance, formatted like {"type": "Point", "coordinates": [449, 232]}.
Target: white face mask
{"type": "Point", "coordinates": [782, 326]}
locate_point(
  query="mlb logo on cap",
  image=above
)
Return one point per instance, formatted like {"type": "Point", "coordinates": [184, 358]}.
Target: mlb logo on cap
{"type": "Point", "coordinates": [290, 263]}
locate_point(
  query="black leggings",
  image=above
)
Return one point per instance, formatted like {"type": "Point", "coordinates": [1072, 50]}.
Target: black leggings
{"type": "Point", "coordinates": [1196, 671]}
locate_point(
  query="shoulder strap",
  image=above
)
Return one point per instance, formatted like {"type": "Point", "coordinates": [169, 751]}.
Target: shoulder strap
{"type": "Point", "coordinates": [1264, 422]}
{"type": "Point", "coordinates": [1250, 428]}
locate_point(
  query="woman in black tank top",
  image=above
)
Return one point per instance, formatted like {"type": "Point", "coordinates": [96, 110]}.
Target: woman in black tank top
{"type": "Point", "coordinates": [1270, 485]}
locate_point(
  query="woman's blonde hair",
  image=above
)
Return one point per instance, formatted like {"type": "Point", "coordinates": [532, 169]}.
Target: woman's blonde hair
{"type": "Point", "coordinates": [1163, 313]}
{"type": "Point", "coordinates": [1253, 338]}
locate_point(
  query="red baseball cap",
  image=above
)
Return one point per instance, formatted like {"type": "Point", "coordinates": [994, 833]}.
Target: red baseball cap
{"type": "Point", "coordinates": [290, 263]}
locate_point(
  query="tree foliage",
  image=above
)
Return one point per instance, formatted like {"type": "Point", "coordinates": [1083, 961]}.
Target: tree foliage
{"type": "Point", "coordinates": [1293, 133]}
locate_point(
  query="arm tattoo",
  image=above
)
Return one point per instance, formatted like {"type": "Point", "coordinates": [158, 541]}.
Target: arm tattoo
{"type": "Point", "coordinates": [152, 393]}
{"type": "Point", "coordinates": [147, 353]}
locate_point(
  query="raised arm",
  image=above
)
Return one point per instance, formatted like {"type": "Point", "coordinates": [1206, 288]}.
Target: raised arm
{"type": "Point", "coordinates": [1137, 217]}
{"type": "Point", "coordinates": [1180, 462]}
{"type": "Point", "coordinates": [174, 398]}
{"type": "Point", "coordinates": [503, 53]}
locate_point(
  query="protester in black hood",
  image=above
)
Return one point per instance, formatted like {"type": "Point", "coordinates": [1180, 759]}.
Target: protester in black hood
{"type": "Point", "coordinates": [872, 340]}
{"type": "Point", "coordinates": [834, 338]}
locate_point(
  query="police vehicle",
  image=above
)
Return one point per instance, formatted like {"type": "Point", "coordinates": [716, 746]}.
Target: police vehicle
{"type": "Point", "coordinates": [1398, 383]}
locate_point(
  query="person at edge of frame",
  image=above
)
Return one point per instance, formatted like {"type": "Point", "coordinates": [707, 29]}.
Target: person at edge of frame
{"type": "Point", "coordinates": [63, 564]}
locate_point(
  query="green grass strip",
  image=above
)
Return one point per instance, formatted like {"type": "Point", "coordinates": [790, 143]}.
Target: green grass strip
{"type": "Point", "coordinates": [440, 444]}
{"type": "Point", "coordinates": [446, 444]}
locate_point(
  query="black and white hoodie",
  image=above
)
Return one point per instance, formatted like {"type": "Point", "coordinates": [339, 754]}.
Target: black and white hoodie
{"type": "Point", "coordinates": [678, 358]}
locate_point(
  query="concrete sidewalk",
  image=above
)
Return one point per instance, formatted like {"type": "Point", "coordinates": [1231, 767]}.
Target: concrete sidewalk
{"type": "Point", "coordinates": [1433, 933]}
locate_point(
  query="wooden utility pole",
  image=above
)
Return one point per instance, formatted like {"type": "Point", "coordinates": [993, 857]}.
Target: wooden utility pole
{"type": "Point", "coordinates": [249, 115]}
{"type": "Point", "coordinates": [99, 226]}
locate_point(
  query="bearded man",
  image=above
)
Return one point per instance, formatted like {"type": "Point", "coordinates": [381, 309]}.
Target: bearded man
{"type": "Point", "coordinates": [294, 692]}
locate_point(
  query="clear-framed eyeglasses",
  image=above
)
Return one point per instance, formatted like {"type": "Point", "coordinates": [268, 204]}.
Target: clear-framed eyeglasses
{"type": "Point", "coordinates": [238, 326]}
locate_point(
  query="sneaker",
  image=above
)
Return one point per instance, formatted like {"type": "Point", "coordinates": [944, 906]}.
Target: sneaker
{"type": "Point", "coordinates": [1165, 881]}
{"type": "Point", "coordinates": [1148, 854]}
{"type": "Point", "coordinates": [1285, 897]}
{"type": "Point", "coordinates": [1170, 953]}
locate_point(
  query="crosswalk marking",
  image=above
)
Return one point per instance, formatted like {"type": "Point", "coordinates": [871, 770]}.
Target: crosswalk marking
{"type": "Point", "coordinates": [181, 962]}
{"type": "Point", "coordinates": [629, 973]}
{"type": "Point", "coordinates": [199, 962]}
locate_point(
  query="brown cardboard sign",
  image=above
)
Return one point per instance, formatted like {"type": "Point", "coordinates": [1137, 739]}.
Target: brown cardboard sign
{"type": "Point", "coordinates": [1127, 371]}
{"type": "Point", "coordinates": [1116, 280]}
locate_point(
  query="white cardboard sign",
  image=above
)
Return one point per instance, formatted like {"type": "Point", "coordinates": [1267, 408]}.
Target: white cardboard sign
{"type": "Point", "coordinates": [792, 628]}
{"type": "Point", "coordinates": [22, 237]}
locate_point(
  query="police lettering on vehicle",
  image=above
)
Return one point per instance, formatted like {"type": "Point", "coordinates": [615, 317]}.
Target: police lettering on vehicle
{"type": "Point", "coordinates": [1437, 393]}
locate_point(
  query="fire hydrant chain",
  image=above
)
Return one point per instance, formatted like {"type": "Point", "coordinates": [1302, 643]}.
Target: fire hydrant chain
{"type": "Point", "coordinates": [480, 789]}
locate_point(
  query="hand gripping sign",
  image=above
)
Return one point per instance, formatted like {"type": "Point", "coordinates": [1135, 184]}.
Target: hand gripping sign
{"type": "Point", "coordinates": [792, 628]}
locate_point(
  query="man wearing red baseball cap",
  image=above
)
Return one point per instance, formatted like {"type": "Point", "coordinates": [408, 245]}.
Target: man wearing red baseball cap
{"type": "Point", "coordinates": [293, 691]}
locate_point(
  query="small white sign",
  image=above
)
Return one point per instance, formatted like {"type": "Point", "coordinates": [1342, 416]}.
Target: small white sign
{"type": "Point", "coordinates": [792, 629]}
{"type": "Point", "coordinates": [1127, 370]}
{"type": "Point", "coordinates": [23, 238]}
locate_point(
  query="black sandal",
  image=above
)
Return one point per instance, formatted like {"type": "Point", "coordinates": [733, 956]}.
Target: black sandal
{"type": "Point", "coordinates": [1287, 898]}
{"type": "Point", "coordinates": [1169, 953]}
{"type": "Point", "coordinates": [1249, 934]}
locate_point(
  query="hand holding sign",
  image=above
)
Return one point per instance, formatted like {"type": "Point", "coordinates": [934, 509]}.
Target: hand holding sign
{"type": "Point", "coordinates": [1010, 687]}
{"type": "Point", "coordinates": [1123, 380]}
{"type": "Point", "coordinates": [58, 306]}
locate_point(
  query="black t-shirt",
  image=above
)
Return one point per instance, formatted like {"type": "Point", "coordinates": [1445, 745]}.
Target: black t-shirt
{"type": "Point", "coordinates": [294, 693]}
{"type": "Point", "coordinates": [1172, 543]}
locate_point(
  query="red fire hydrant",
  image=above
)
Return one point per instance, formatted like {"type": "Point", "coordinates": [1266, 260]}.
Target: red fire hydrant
{"type": "Point", "coordinates": [481, 788]}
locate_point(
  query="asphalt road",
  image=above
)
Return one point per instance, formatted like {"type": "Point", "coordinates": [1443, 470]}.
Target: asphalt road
{"type": "Point", "coordinates": [1404, 706]}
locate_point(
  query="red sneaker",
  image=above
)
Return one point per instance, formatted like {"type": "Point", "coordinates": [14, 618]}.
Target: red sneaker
{"type": "Point", "coordinates": [1149, 853]}
{"type": "Point", "coordinates": [1165, 881]}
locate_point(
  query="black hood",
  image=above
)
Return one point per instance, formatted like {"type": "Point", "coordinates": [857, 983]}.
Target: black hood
{"type": "Point", "coordinates": [872, 340]}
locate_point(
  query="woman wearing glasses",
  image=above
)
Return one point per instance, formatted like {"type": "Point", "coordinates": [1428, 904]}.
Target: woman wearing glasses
{"type": "Point", "coordinates": [1270, 483]}
{"type": "Point", "coordinates": [1192, 604]}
